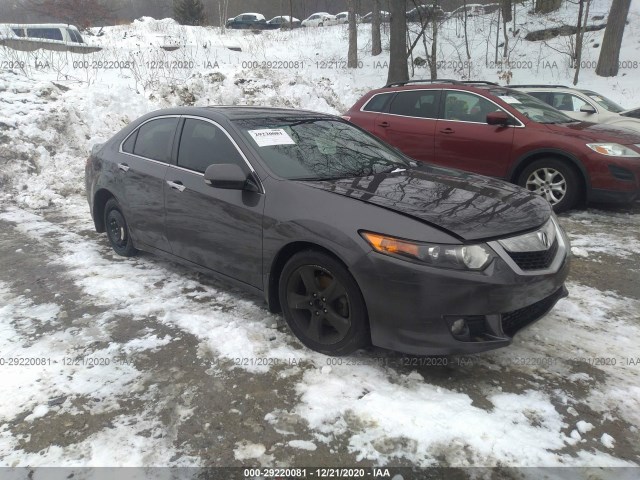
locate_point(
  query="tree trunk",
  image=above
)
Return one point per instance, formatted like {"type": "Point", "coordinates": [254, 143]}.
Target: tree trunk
{"type": "Point", "coordinates": [352, 61]}
{"type": "Point", "coordinates": [575, 61]}
{"type": "Point", "coordinates": [610, 50]}
{"type": "Point", "coordinates": [546, 6]}
{"type": "Point", "coordinates": [433, 66]}
{"type": "Point", "coordinates": [376, 42]}
{"type": "Point", "coordinates": [505, 5]}
{"type": "Point", "coordinates": [398, 70]}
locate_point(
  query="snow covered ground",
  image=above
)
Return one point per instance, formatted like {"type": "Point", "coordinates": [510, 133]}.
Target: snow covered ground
{"type": "Point", "coordinates": [139, 362]}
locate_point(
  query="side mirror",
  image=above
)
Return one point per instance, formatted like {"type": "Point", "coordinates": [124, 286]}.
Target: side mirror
{"type": "Point", "coordinates": [498, 118]}
{"type": "Point", "coordinates": [229, 176]}
{"type": "Point", "coordinates": [586, 108]}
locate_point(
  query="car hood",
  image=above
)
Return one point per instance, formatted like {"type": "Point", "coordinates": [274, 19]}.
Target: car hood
{"type": "Point", "coordinates": [597, 132]}
{"type": "Point", "coordinates": [471, 207]}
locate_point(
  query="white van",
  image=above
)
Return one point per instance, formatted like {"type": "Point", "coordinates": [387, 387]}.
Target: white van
{"type": "Point", "coordinates": [51, 36]}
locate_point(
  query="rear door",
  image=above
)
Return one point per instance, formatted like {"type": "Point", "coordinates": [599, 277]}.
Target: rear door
{"type": "Point", "coordinates": [212, 227]}
{"type": "Point", "coordinates": [144, 157]}
{"type": "Point", "coordinates": [410, 123]}
{"type": "Point", "coordinates": [464, 140]}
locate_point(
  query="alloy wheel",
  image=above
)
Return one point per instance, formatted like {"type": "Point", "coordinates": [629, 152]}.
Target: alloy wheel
{"type": "Point", "coordinates": [319, 304]}
{"type": "Point", "coordinates": [549, 183]}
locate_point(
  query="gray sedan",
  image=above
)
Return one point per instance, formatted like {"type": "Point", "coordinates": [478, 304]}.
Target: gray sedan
{"type": "Point", "coordinates": [355, 243]}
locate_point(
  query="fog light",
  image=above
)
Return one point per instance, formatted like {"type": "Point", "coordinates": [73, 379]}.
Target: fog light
{"type": "Point", "coordinates": [458, 326]}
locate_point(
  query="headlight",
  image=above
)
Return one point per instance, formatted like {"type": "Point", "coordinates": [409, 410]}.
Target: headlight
{"type": "Point", "coordinates": [613, 150]}
{"type": "Point", "coordinates": [459, 257]}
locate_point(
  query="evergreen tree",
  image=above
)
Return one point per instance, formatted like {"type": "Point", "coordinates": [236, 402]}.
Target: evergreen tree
{"type": "Point", "coordinates": [189, 12]}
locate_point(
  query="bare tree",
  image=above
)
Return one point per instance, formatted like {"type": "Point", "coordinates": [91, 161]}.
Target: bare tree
{"type": "Point", "coordinates": [505, 6]}
{"type": "Point", "coordinates": [352, 59]}
{"type": "Point", "coordinates": [223, 11]}
{"type": "Point", "coordinates": [610, 51]}
{"type": "Point", "coordinates": [433, 64]}
{"type": "Point", "coordinates": [376, 42]}
{"type": "Point", "coordinates": [398, 69]}
{"type": "Point", "coordinates": [582, 24]}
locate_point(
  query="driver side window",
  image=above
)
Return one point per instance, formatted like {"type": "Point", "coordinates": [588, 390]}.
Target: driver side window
{"type": "Point", "coordinates": [203, 144]}
{"type": "Point", "coordinates": [467, 107]}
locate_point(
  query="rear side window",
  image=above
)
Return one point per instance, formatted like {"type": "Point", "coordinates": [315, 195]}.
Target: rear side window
{"type": "Point", "coordinates": [45, 33]}
{"type": "Point", "coordinates": [378, 103]}
{"type": "Point", "coordinates": [544, 96]}
{"type": "Point", "coordinates": [18, 31]}
{"type": "Point", "coordinates": [128, 145]}
{"type": "Point", "coordinates": [155, 139]}
{"type": "Point", "coordinates": [203, 144]}
{"type": "Point", "coordinates": [416, 103]}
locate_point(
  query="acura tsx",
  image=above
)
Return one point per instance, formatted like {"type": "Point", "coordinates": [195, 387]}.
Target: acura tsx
{"type": "Point", "coordinates": [354, 242]}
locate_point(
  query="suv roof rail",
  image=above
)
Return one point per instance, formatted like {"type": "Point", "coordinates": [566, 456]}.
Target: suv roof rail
{"type": "Point", "coordinates": [479, 82]}
{"type": "Point", "coordinates": [438, 80]}
{"type": "Point", "coordinates": [537, 86]}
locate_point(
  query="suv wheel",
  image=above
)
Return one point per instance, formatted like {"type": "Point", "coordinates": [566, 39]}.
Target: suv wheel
{"type": "Point", "coordinates": [322, 304]}
{"type": "Point", "coordinates": [118, 230]}
{"type": "Point", "coordinates": [554, 180]}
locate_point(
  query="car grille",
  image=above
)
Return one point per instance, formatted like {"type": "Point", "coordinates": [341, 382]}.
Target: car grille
{"type": "Point", "coordinates": [514, 321]}
{"type": "Point", "coordinates": [535, 260]}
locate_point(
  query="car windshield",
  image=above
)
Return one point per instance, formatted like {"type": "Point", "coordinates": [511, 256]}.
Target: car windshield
{"type": "Point", "coordinates": [531, 107]}
{"type": "Point", "coordinates": [319, 148]}
{"type": "Point", "coordinates": [604, 102]}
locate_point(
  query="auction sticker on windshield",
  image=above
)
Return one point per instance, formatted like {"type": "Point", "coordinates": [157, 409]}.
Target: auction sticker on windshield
{"type": "Point", "coordinates": [271, 136]}
{"type": "Point", "coordinates": [509, 99]}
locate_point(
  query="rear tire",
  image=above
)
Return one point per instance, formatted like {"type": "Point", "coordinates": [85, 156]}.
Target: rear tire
{"type": "Point", "coordinates": [322, 304]}
{"type": "Point", "coordinates": [118, 230]}
{"type": "Point", "coordinates": [554, 180]}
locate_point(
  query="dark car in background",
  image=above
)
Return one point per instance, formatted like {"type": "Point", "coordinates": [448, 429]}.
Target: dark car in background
{"type": "Point", "coordinates": [284, 22]}
{"type": "Point", "coordinates": [504, 133]}
{"type": "Point", "coordinates": [254, 21]}
{"type": "Point", "coordinates": [353, 241]}
{"type": "Point", "coordinates": [385, 17]}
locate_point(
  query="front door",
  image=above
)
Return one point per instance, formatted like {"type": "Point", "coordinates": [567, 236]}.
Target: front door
{"type": "Point", "coordinates": [216, 228]}
{"type": "Point", "coordinates": [464, 140]}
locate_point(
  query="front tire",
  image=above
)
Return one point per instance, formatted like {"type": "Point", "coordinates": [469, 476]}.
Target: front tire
{"type": "Point", "coordinates": [322, 304]}
{"type": "Point", "coordinates": [118, 230]}
{"type": "Point", "coordinates": [554, 180]}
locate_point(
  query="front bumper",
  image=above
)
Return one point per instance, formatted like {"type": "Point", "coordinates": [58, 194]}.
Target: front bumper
{"type": "Point", "coordinates": [411, 306]}
{"type": "Point", "coordinates": [613, 179]}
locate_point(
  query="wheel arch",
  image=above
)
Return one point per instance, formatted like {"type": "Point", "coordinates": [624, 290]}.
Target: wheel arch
{"type": "Point", "coordinates": [100, 199]}
{"type": "Point", "coordinates": [527, 159]}
{"type": "Point", "coordinates": [280, 260]}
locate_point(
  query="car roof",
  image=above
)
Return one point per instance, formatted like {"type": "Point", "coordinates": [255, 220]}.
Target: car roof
{"type": "Point", "coordinates": [448, 84]}
{"type": "Point", "coordinates": [238, 112]}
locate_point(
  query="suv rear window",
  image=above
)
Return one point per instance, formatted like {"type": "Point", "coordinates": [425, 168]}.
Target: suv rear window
{"type": "Point", "coordinates": [155, 139]}
{"type": "Point", "coordinates": [416, 103]}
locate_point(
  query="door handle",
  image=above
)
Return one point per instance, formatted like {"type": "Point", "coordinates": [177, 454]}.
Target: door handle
{"type": "Point", "coordinates": [124, 167]}
{"type": "Point", "coordinates": [447, 130]}
{"type": "Point", "coordinates": [383, 124]}
{"type": "Point", "coordinates": [176, 185]}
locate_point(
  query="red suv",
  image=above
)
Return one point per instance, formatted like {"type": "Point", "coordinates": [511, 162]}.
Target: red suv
{"type": "Point", "coordinates": [496, 131]}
